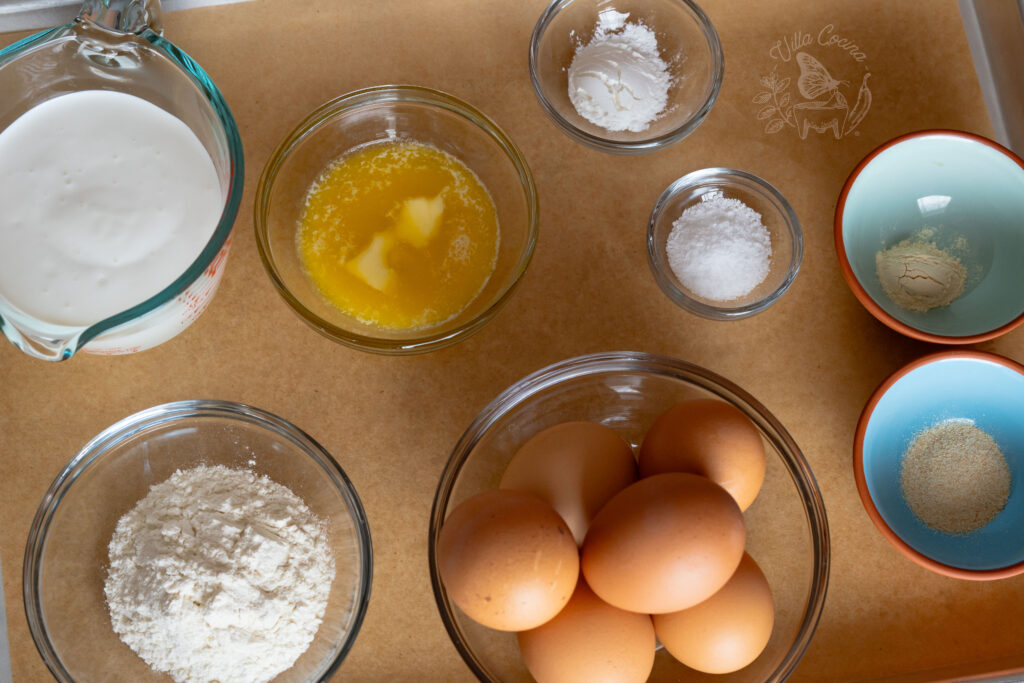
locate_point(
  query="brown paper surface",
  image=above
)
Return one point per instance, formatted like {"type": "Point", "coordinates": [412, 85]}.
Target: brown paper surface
{"type": "Point", "coordinates": [813, 358]}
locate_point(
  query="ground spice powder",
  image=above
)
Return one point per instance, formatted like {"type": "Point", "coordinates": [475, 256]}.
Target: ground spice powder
{"type": "Point", "coordinates": [954, 477]}
{"type": "Point", "coordinates": [919, 276]}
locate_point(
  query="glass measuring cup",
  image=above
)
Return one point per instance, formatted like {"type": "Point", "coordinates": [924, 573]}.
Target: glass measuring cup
{"type": "Point", "coordinates": [118, 45]}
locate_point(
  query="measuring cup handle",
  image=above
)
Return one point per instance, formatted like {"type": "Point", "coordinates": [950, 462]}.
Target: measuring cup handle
{"type": "Point", "coordinates": [127, 16]}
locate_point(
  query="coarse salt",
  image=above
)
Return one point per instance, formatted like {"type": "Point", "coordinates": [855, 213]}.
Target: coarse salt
{"type": "Point", "coordinates": [719, 249]}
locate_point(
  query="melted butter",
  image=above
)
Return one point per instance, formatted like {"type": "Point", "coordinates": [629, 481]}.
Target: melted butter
{"type": "Point", "coordinates": [399, 234]}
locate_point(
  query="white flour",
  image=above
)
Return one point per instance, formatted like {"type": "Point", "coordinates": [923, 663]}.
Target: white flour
{"type": "Point", "coordinates": [219, 575]}
{"type": "Point", "coordinates": [618, 80]}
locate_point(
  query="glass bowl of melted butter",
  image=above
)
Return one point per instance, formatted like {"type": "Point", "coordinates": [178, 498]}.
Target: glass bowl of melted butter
{"type": "Point", "coordinates": [396, 219]}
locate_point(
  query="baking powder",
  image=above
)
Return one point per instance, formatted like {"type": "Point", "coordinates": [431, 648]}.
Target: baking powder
{"type": "Point", "coordinates": [618, 80]}
{"type": "Point", "coordinates": [719, 249]}
{"type": "Point", "coordinates": [219, 575]}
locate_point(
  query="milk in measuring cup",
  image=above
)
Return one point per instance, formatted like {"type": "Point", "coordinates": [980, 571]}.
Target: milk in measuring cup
{"type": "Point", "coordinates": [105, 199]}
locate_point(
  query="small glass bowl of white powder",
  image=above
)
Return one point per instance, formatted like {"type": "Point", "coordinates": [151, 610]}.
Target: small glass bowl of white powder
{"type": "Point", "coordinates": [626, 78]}
{"type": "Point", "coordinates": [201, 540]}
{"type": "Point", "coordinates": [723, 244]}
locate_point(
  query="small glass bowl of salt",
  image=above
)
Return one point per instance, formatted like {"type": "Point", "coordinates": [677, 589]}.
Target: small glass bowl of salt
{"type": "Point", "coordinates": [723, 244]}
{"type": "Point", "coordinates": [627, 76]}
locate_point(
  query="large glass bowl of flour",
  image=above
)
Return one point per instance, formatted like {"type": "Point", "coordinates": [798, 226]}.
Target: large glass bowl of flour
{"type": "Point", "coordinates": [67, 561]}
{"type": "Point", "coordinates": [626, 77]}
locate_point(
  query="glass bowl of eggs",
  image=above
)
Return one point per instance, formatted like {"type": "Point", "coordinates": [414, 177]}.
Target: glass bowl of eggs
{"type": "Point", "coordinates": [545, 560]}
{"type": "Point", "coordinates": [396, 219]}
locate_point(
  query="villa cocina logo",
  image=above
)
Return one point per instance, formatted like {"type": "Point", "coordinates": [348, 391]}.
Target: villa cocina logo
{"type": "Point", "coordinates": [825, 106]}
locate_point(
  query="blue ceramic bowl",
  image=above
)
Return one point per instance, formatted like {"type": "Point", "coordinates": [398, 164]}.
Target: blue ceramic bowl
{"type": "Point", "coordinates": [982, 387]}
{"type": "Point", "coordinates": [968, 192]}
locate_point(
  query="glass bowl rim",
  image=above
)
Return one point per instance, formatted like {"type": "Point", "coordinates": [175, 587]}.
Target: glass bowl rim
{"type": "Point", "coordinates": [641, 362]}
{"type": "Point", "coordinates": [860, 478]}
{"type": "Point", "coordinates": [128, 427]}
{"type": "Point", "coordinates": [751, 182]}
{"type": "Point", "coordinates": [846, 268]}
{"type": "Point", "coordinates": [435, 99]}
{"type": "Point", "coordinates": [641, 145]}
{"type": "Point", "coordinates": [221, 232]}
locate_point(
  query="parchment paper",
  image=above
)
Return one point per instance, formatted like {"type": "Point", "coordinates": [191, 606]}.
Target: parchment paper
{"type": "Point", "coordinates": [813, 358]}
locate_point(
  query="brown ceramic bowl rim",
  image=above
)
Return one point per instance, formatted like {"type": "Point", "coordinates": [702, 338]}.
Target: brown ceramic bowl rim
{"type": "Point", "coordinates": [844, 261]}
{"type": "Point", "coordinates": [862, 487]}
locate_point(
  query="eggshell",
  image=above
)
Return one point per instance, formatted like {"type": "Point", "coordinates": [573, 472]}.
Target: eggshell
{"type": "Point", "coordinates": [727, 631]}
{"type": "Point", "coordinates": [590, 641]}
{"type": "Point", "coordinates": [711, 438]}
{"type": "Point", "coordinates": [507, 559]}
{"type": "Point", "coordinates": [663, 544]}
{"type": "Point", "coordinates": [576, 467]}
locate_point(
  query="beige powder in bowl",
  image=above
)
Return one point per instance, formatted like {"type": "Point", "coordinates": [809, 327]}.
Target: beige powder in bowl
{"type": "Point", "coordinates": [919, 276]}
{"type": "Point", "coordinates": [954, 477]}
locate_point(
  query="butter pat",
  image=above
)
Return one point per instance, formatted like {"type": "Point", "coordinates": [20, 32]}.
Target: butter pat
{"type": "Point", "coordinates": [919, 276]}
{"type": "Point", "coordinates": [370, 266]}
{"type": "Point", "coordinates": [419, 219]}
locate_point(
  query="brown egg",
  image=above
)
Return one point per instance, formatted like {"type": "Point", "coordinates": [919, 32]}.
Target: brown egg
{"type": "Point", "coordinates": [507, 560]}
{"type": "Point", "coordinates": [590, 641]}
{"type": "Point", "coordinates": [663, 544]}
{"type": "Point", "coordinates": [727, 631]}
{"type": "Point", "coordinates": [711, 438]}
{"type": "Point", "coordinates": [575, 466]}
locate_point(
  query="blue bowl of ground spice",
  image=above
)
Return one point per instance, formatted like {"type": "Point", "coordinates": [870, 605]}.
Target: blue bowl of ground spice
{"type": "Point", "coordinates": [938, 455]}
{"type": "Point", "coordinates": [723, 244]}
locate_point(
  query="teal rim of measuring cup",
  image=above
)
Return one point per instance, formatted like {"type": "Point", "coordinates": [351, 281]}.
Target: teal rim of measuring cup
{"type": "Point", "coordinates": [236, 182]}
